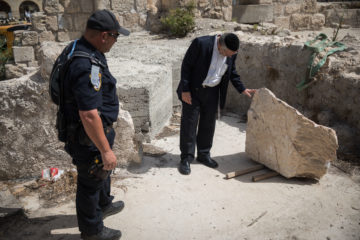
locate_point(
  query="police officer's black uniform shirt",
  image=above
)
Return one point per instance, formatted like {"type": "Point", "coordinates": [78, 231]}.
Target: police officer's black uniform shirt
{"type": "Point", "coordinates": [84, 94]}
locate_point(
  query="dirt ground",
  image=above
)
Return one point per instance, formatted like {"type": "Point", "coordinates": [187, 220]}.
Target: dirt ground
{"type": "Point", "coordinates": [161, 204]}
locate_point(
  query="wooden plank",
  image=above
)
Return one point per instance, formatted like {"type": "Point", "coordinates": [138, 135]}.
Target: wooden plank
{"type": "Point", "coordinates": [264, 176]}
{"type": "Point", "coordinates": [245, 171]}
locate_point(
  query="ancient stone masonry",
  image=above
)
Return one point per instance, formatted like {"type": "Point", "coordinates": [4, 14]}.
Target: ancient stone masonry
{"type": "Point", "coordinates": [27, 124]}
{"type": "Point", "coordinates": [280, 63]}
{"type": "Point", "coordinates": [147, 79]}
{"type": "Point", "coordinates": [346, 12]}
{"type": "Point", "coordinates": [216, 9]}
{"type": "Point", "coordinates": [28, 138]}
{"type": "Point", "coordinates": [290, 14]}
{"type": "Point", "coordinates": [280, 137]}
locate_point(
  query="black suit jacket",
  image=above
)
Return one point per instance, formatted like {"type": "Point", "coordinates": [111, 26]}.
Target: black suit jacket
{"type": "Point", "coordinates": [195, 67]}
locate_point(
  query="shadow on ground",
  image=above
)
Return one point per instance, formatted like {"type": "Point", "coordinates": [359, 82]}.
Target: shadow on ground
{"type": "Point", "coordinates": [227, 163]}
{"type": "Point", "coordinates": [19, 227]}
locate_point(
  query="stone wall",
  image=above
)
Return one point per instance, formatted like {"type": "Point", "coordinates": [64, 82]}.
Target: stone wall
{"type": "Point", "coordinates": [347, 12]}
{"type": "Point", "coordinates": [27, 124]}
{"type": "Point", "coordinates": [290, 14]}
{"type": "Point", "coordinates": [216, 9]}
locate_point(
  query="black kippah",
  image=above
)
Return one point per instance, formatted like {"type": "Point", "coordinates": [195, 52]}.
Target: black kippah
{"type": "Point", "coordinates": [231, 42]}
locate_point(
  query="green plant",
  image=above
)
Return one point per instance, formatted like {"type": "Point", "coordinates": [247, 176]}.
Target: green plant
{"type": "Point", "coordinates": [180, 21]}
{"type": "Point", "coordinates": [336, 31]}
{"type": "Point", "coordinates": [4, 57]}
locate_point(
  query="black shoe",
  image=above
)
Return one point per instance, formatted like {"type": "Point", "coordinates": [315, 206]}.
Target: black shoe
{"type": "Point", "coordinates": [105, 234]}
{"type": "Point", "coordinates": [208, 161]}
{"type": "Point", "coordinates": [184, 167]}
{"type": "Point", "coordinates": [113, 208]}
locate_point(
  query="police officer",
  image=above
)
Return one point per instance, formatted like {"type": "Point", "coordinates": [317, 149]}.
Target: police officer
{"type": "Point", "coordinates": [91, 106]}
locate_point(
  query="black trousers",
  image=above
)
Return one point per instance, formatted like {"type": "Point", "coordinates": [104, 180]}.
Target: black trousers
{"type": "Point", "coordinates": [92, 194]}
{"type": "Point", "coordinates": [198, 123]}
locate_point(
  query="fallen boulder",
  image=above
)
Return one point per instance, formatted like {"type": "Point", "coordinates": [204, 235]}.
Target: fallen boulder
{"type": "Point", "coordinates": [285, 141]}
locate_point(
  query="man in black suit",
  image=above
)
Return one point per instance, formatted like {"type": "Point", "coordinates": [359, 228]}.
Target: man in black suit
{"type": "Point", "coordinates": [207, 67]}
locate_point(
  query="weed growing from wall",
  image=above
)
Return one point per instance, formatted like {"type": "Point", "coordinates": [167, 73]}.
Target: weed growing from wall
{"type": "Point", "coordinates": [180, 21]}
{"type": "Point", "coordinates": [5, 55]}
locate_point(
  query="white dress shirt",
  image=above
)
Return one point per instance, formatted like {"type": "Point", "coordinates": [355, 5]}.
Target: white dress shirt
{"type": "Point", "coordinates": [217, 67]}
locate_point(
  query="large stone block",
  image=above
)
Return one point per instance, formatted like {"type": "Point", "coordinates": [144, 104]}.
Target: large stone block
{"type": "Point", "coordinates": [300, 21]}
{"type": "Point", "coordinates": [349, 17]}
{"type": "Point", "coordinates": [86, 7]}
{"type": "Point", "coordinates": [67, 36]}
{"type": "Point", "coordinates": [29, 38]}
{"type": "Point", "coordinates": [141, 5]}
{"type": "Point", "coordinates": [146, 92]}
{"type": "Point", "coordinates": [28, 136]}
{"type": "Point", "coordinates": [126, 146]}
{"type": "Point", "coordinates": [46, 36]}
{"type": "Point", "coordinates": [278, 10]}
{"type": "Point", "coordinates": [52, 6]}
{"type": "Point", "coordinates": [123, 5]}
{"type": "Point", "coordinates": [65, 22]}
{"type": "Point", "coordinates": [48, 53]}
{"type": "Point", "coordinates": [309, 6]}
{"type": "Point", "coordinates": [317, 21]}
{"type": "Point", "coordinates": [38, 21]}
{"type": "Point", "coordinates": [147, 77]}
{"type": "Point", "coordinates": [284, 140]}
{"type": "Point", "coordinates": [52, 23]}
{"type": "Point", "coordinates": [292, 8]}
{"type": "Point", "coordinates": [283, 22]}
{"type": "Point", "coordinates": [227, 13]}
{"type": "Point", "coordinates": [23, 54]}
{"type": "Point", "coordinates": [169, 4]}
{"type": "Point", "coordinates": [253, 13]}
{"type": "Point", "coordinates": [14, 71]}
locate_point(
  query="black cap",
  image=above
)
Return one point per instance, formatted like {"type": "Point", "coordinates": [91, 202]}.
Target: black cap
{"type": "Point", "coordinates": [231, 42]}
{"type": "Point", "coordinates": [104, 20]}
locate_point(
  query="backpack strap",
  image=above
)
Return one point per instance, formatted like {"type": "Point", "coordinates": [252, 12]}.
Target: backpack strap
{"type": "Point", "coordinates": [93, 59]}
{"type": "Point", "coordinates": [70, 57]}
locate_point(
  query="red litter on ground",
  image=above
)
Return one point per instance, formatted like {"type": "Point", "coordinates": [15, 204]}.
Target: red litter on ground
{"type": "Point", "coordinates": [51, 173]}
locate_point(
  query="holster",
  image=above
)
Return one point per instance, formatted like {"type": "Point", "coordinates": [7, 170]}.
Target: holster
{"type": "Point", "coordinates": [76, 133]}
{"type": "Point", "coordinates": [97, 171]}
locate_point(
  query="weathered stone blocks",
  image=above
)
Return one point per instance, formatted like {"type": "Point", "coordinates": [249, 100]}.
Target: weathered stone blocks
{"type": "Point", "coordinates": [146, 92]}
{"type": "Point", "coordinates": [281, 138]}
{"type": "Point", "coordinates": [23, 54]}
{"type": "Point", "coordinates": [253, 13]}
{"type": "Point", "coordinates": [29, 38]}
{"type": "Point", "coordinates": [28, 136]}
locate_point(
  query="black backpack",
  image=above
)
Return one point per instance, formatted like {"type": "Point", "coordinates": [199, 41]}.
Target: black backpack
{"type": "Point", "coordinates": [56, 83]}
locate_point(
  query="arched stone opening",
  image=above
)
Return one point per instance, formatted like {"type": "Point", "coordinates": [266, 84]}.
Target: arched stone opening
{"type": "Point", "coordinates": [5, 10]}
{"type": "Point", "coordinates": [29, 6]}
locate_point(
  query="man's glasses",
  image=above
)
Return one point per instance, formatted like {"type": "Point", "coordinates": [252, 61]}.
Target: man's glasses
{"type": "Point", "coordinates": [114, 35]}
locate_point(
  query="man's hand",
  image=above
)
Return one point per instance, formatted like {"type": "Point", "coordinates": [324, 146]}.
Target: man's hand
{"type": "Point", "coordinates": [109, 160]}
{"type": "Point", "coordinates": [94, 129]}
{"type": "Point", "coordinates": [249, 92]}
{"type": "Point", "coordinates": [186, 97]}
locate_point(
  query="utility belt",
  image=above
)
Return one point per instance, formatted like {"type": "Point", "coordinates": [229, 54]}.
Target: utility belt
{"type": "Point", "coordinates": [76, 133]}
